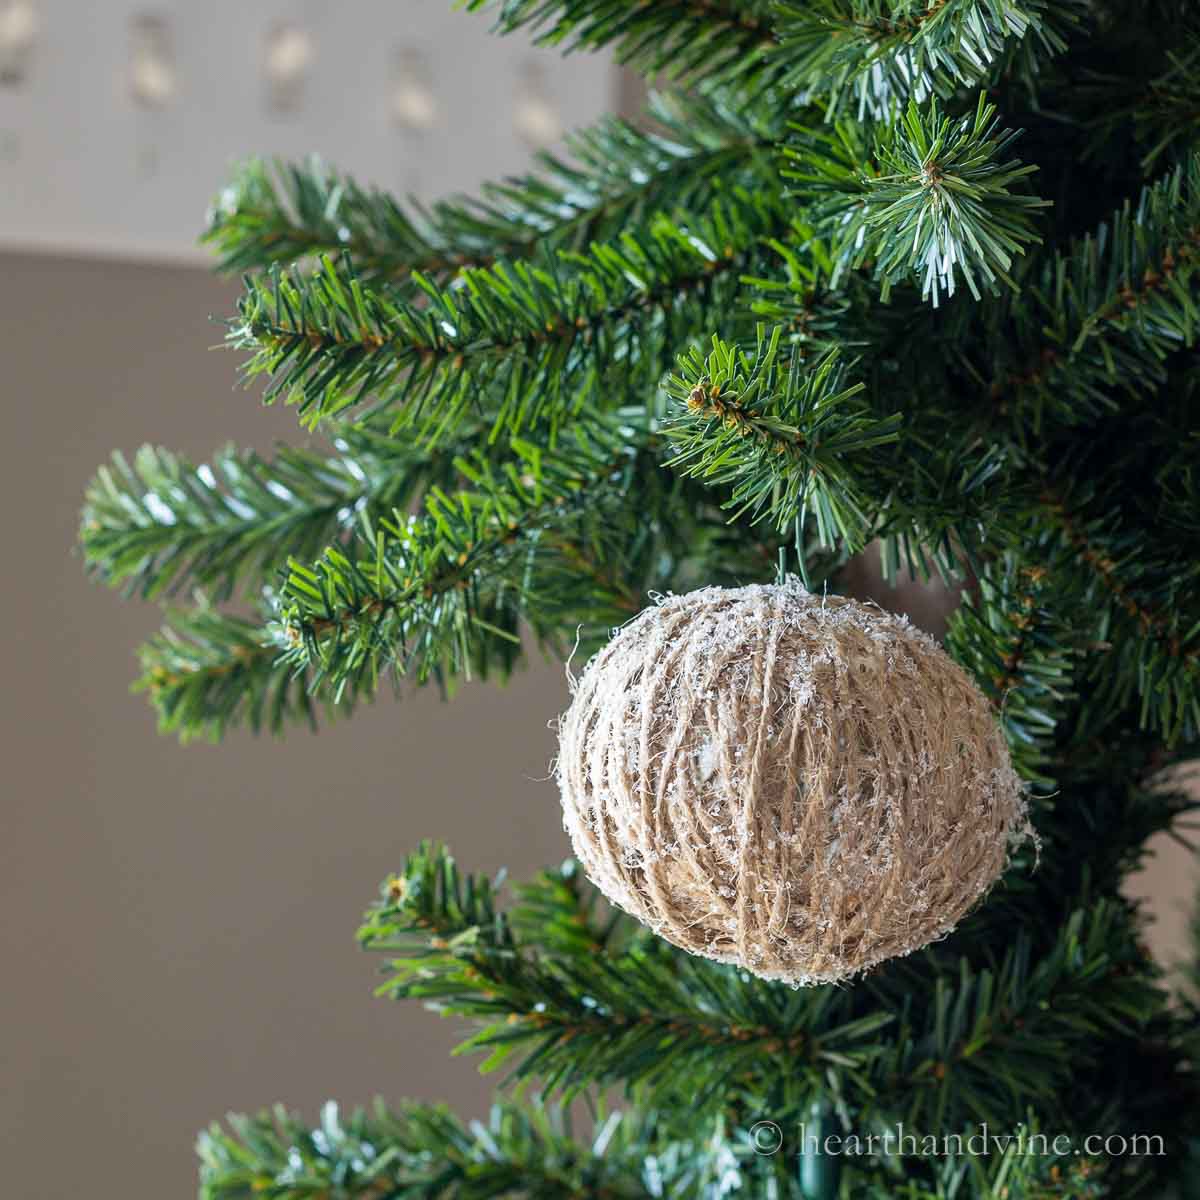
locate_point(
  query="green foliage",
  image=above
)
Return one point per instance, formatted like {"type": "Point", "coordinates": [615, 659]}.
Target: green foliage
{"type": "Point", "coordinates": [1094, 324]}
{"type": "Point", "coordinates": [796, 445]}
{"type": "Point", "coordinates": [785, 436]}
{"type": "Point", "coordinates": [662, 360]}
{"type": "Point", "coordinates": [613, 175]}
{"type": "Point", "coordinates": [206, 670]}
{"type": "Point", "coordinates": [574, 1001]}
{"type": "Point", "coordinates": [865, 55]}
{"type": "Point", "coordinates": [425, 1151]}
{"type": "Point", "coordinates": [529, 342]}
{"type": "Point", "coordinates": [1165, 116]}
{"type": "Point", "coordinates": [1021, 653]}
{"type": "Point", "coordinates": [161, 522]}
{"type": "Point", "coordinates": [478, 541]}
{"type": "Point", "coordinates": [846, 54]}
{"type": "Point", "coordinates": [534, 1153]}
{"type": "Point", "coordinates": [1135, 86]}
{"type": "Point", "coordinates": [721, 40]}
{"type": "Point", "coordinates": [936, 200]}
{"type": "Point", "coordinates": [1143, 650]}
{"type": "Point", "coordinates": [443, 594]}
{"type": "Point", "coordinates": [1112, 800]}
{"type": "Point", "coordinates": [622, 1012]}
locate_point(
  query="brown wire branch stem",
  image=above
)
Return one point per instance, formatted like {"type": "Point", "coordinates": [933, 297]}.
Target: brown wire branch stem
{"type": "Point", "coordinates": [1153, 622]}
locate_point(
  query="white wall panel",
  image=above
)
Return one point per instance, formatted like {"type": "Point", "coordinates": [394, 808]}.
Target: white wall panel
{"type": "Point", "coordinates": [85, 168]}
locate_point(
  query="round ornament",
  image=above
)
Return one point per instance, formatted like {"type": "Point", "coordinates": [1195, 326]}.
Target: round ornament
{"type": "Point", "coordinates": [803, 785]}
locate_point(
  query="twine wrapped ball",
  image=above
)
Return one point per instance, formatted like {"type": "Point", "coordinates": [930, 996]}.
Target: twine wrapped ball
{"type": "Point", "coordinates": [803, 785]}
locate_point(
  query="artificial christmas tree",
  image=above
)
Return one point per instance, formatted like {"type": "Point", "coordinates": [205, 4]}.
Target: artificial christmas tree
{"type": "Point", "coordinates": [825, 296]}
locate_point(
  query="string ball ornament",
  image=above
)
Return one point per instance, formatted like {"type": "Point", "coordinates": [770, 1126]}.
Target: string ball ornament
{"type": "Point", "coordinates": [802, 785]}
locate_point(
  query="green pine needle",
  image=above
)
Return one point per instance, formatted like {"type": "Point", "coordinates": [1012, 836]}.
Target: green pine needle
{"type": "Point", "coordinates": [785, 435]}
{"type": "Point", "coordinates": [937, 200]}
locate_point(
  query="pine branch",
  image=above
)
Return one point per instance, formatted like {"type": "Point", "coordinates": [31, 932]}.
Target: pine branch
{"type": "Point", "coordinates": [535, 1152]}
{"type": "Point", "coordinates": [867, 56]}
{"type": "Point", "coordinates": [424, 1150]}
{"type": "Point", "coordinates": [548, 534]}
{"type": "Point", "coordinates": [614, 175]}
{"type": "Point", "coordinates": [1138, 90]}
{"type": "Point", "coordinates": [995, 1040]}
{"type": "Point", "coordinates": [527, 343]}
{"type": "Point", "coordinates": [795, 443]}
{"type": "Point", "coordinates": [934, 201]}
{"type": "Point", "coordinates": [843, 53]}
{"type": "Point", "coordinates": [1167, 116]}
{"type": "Point", "coordinates": [1020, 652]}
{"type": "Point", "coordinates": [719, 40]}
{"type": "Point", "coordinates": [784, 436]}
{"type": "Point", "coordinates": [206, 671]}
{"type": "Point", "coordinates": [560, 911]}
{"type": "Point", "coordinates": [1009, 1169]}
{"type": "Point", "coordinates": [1100, 318]}
{"type": "Point", "coordinates": [796, 293]}
{"type": "Point", "coordinates": [162, 523]}
{"type": "Point", "coordinates": [949, 506]}
{"type": "Point", "coordinates": [1146, 637]}
{"type": "Point", "coordinates": [635, 1016]}
{"type": "Point", "coordinates": [952, 489]}
{"type": "Point", "coordinates": [537, 539]}
{"type": "Point", "coordinates": [531, 1154]}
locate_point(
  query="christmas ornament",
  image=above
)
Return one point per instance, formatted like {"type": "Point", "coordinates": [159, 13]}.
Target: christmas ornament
{"type": "Point", "coordinates": [803, 785]}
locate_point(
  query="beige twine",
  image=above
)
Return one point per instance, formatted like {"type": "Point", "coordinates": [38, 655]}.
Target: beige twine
{"type": "Point", "coordinates": [803, 785]}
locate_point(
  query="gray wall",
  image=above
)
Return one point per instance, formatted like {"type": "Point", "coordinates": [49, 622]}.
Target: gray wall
{"type": "Point", "coordinates": [177, 929]}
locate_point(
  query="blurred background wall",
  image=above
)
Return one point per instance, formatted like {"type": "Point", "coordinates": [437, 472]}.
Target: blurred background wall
{"type": "Point", "coordinates": [177, 924]}
{"type": "Point", "coordinates": [118, 120]}
{"type": "Point", "coordinates": [177, 929]}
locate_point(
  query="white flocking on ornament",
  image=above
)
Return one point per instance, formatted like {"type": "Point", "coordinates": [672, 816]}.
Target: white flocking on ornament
{"type": "Point", "coordinates": [802, 785]}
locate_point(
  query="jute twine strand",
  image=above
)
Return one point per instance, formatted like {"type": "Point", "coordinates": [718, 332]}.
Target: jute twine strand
{"type": "Point", "coordinates": [802, 785]}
